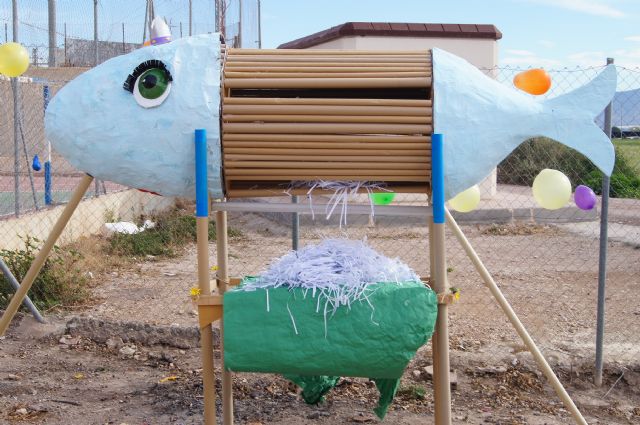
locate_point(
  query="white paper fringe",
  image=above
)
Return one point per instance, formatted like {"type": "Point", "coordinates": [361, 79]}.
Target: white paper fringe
{"type": "Point", "coordinates": [337, 271]}
{"type": "Point", "coordinates": [343, 192]}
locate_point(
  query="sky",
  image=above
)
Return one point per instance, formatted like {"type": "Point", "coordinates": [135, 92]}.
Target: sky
{"type": "Point", "coordinates": [548, 33]}
{"type": "Point", "coordinates": [536, 33]}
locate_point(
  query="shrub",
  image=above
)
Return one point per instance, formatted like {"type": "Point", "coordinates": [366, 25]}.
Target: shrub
{"type": "Point", "coordinates": [173, 229]}
{"type": "Point", "coordinates": [60, 282]}
{"type": "Point", "coordinates": [525, 162]}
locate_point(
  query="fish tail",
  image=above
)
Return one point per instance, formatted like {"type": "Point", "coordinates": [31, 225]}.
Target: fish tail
{"type": "Point", "coordinates": [573, 117]}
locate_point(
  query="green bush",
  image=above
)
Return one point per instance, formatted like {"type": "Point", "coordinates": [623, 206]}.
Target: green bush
{"type": "Point", "coordinates": [525, 162]}
{"type": "Point", "coordinates": [172, 230]}
{"type": "Point", "coordinates": [60, 282]}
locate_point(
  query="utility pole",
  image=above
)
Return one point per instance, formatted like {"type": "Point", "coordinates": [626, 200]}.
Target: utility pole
{"type": "Point", "coordinates": [239, 45]}
{"type": "Point", "coordinates": [190, 17]}
{"type": "Point", "coordinates": [52, 33]}
{"type": "Point", "coordinates": [123, 43]}
{"type": "Point", "coordinates": [65, 43]}
{"type": "Point", "coordinates": [180, 29]}
{"type": "Point", "coordinates": [259, 27]}
{"type": "Point", "coordinates": [146, 18]}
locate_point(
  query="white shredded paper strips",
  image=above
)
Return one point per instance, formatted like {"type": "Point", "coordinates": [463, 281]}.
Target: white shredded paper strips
{"type": "Point", "coordinates": [338, 272]}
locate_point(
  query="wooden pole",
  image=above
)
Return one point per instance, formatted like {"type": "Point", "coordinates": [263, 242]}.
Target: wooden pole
{"type": "Point", "coordinates": [202, 235]}
{"type": "Point", "coordinates": [38, 262]}
{"type": "Point", "coordinates": [222, 251]}
{"type": "Point", "coordinates": [442, 386]}
{"type": "Point", "coordinates": [511, 315]}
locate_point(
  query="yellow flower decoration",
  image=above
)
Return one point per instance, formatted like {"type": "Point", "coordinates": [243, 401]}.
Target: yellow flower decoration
{"type": "Point", "coordinates": [214, 268]}
{"type": "Point", "coordinates": [456, 293]}
{"type": "Point", "coordinates": [194, 292]}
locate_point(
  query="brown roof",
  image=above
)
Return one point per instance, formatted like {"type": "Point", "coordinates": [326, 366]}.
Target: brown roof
{"type": "Point", "coordinates": [396, 29]}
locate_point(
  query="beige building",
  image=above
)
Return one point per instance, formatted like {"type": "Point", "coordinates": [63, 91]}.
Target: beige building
{"type": "Point", "coordinates": [476, 43]}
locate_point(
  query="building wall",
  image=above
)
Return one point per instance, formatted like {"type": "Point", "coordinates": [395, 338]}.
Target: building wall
{"type": "Point", "coordinates": [483, 53]}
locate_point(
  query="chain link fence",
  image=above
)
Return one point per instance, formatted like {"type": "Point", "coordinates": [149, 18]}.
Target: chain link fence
{"type": "Point", "coordinates": [545, 261]}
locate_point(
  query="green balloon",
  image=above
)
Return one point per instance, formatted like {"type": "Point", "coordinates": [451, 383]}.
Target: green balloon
{"type": "Point", "coordinates": [382, 198]}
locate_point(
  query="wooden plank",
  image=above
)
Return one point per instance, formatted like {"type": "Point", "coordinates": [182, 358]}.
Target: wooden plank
{"type": "Point", "coordinates": [330, 52]}
{"type": "Point", "coordinates": [230, 67]}
{"type": "Point", "coordinates": [416, 119]}
{"type": "Point", "coordinates": [373, 176]}
{"type": "Point", "coordinates": [303, 83]}
{"type": "Point", "coordinates": [322, 64]}
{"type": "Point", "coordinates": [344, 166]}
{"type": "Point", "coordinates": [337, 138]}
{"type": "Point", "coordinates": [370, 74]}
{"type": "Point", "coordinates": [326, 110]}
{"type": "Point", "coordinates": [326, 128]}
{"type": "Point", "coordinates": [277, 151]}
{"type": "Point", "coordinates": [365, 156]}
{"type": "Point", "coordinates": [275, 191]}
{"type": "Point", "coordinates": [325, 59]}
{"type": "Point", "coordinates": [323, 101]}
{"type": "Point", "coordinates": [320, 148]}
{"type": "Point", "coordinates": [236, 173]}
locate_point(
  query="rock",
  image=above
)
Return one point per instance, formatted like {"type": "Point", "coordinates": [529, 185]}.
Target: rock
{"type": "Point", "coordinates": [114, 343]}
{"type": "Point", "coordinates": [491, 370]}
{"type": "Point", "coordinates": [416, 374]}
{"type": "Point", "coordinates": [12, 377]}
{"type": "Point", "coordinates": [453, 376]}
{"type": "Point", "coordinates": [69, 340]}
{"type": "Point", "coordinates": [127, 350]}
{"type": "Point", "coordinates": [317, 414]}
{"type": "Point", "coordinates": [362, 418]}
{"type": "Point", "coordinates": [22, 411]}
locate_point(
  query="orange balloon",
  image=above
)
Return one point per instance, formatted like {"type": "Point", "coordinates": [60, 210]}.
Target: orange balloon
{"type": "Point", "coordinates": [533, 81]}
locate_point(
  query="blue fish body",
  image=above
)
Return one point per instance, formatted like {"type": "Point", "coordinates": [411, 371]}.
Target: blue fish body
{"type": "Point", "coordinates": [107, 132]}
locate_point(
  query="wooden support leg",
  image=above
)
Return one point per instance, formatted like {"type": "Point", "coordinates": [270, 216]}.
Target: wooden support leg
{"type": "Point", "coordinates": [223, 278]}
{"type": "Point", "coordinates": [511, 315]}
{"type": "Point", "coordinates": [434, 339]}
{"type": "Point", "coordinates": [440, 340]}
{"type": "Point", "coordinates": [38, 262]}
{"type": "Point", "coordinates": [206, 333]}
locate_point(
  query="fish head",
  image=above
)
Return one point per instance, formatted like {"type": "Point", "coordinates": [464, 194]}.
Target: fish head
{"type": "Point", "coordinates": [131, 120]}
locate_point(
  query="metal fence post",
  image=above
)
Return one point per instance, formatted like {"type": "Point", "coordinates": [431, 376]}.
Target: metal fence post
{"type": "Point", "coordinates": [602, 260]}
{"type": "Point", "coordinates": [295, 226]}
{"type": "Point", "coordinates": [52, 33]}
{"type": "Point", "coordinates": [13, 281]}
{"type": "Point", "coordinates": [15, 85]}
{"type": "Point", "coordinates": [96, 190]}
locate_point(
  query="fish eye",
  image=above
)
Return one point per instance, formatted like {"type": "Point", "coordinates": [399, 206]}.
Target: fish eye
{"type": "Point", "coordinates": [150, 83]}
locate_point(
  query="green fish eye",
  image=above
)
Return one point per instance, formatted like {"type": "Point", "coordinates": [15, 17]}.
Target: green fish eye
{"type": "Point", "coordinates": [153, 83]}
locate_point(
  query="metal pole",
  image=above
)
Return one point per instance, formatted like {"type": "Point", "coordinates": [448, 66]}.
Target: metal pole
{"type": "Point", "coordinates": [190, 17]}
{"type": "Point", "coordinates": [239, 23]}
{"type": "Point", "coordinates": [259, 27]}
{"type": "Point", "coordinates": [96, 190]}
{"type": "Point", "coordinates": [295, 226]}
{"type": "Point", "coordinates": [6, 32]}
{"type": "Point", "coordinates": [15, 85]}
{"type": "Point", "coordinates": [180, 29]}
{"type": "Point", "coordinates": [52, 33]}
{"type": "Point", "coordinates": [602, 260]}
{"type": "Point", "coordinates": [27, 302]}
{"type": "Point", "coordinates": [65, 43]}
{"type": "Point", "coordinates": [123, 43]}
{"type": "Point", "coordinates": [146, 18]}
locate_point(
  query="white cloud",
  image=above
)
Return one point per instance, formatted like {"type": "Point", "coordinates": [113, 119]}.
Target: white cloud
{"type": "Point", "coordinates": [548, 44]}
{"type": "Point", "coordinates": [520, 52]}
{"type": "Point", "coordinates": [633, 38]}
{"type": "Point", "coordinates": [591, 7]}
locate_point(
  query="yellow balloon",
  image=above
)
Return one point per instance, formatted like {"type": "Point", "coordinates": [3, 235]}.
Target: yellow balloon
{"type": "Point", "coordinates": [14, 59]}
{"type": "Point", "coordinates": [551, 189]}
{"type": "Point", "coordinates": [467, 200]}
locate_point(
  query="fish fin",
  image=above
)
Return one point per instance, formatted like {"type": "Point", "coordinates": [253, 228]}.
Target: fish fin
{"type": "Point", "coordinates": [573, 114]}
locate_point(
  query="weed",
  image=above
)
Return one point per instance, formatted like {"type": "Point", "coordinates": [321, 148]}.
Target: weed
{"type": "Point", "coordinates": [60, 282]}
{"type": "Point", "coordinates": [172, 230]}
{"type": "Point", "coordinates": [412, 392]}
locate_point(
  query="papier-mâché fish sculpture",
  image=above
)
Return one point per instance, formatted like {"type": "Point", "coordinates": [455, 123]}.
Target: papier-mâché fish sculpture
{"type": "Point", "coordinates": [131, 120]}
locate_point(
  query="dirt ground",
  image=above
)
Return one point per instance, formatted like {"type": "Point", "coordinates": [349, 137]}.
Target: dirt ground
{"type": "Point", "coordinates": [132, 356]}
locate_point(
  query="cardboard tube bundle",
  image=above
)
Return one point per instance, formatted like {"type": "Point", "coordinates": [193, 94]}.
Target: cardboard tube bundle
{"type": "Point", "coordinates": [306, 115]}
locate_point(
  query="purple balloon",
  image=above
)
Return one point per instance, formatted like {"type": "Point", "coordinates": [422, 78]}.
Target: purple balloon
{"type": "Point", "coordinates": [584, 197]}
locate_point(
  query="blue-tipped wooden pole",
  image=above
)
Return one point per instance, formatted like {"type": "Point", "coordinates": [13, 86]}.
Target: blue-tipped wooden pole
{"type": "Point", "coordinates": [202, 229]}
{"type": "Point", "coordinates": [440, 341]}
